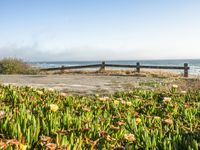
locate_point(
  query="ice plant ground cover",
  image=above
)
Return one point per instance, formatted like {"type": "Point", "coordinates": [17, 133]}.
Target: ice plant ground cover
{"type": "Point", "coordinates": [46, 119]}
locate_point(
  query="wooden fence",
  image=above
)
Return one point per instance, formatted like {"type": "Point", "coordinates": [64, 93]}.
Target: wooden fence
{"type": "Point", "coordinates": [138, 67]}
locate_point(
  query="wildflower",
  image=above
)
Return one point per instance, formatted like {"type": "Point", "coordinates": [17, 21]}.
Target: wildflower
{"type": "Point", "coordinates": [175, 86]}
{"type": "Point", "coordinates": [186, 105]}
{"type": "Point", "coordinates": [130, 137]}
{"type": "Point", "coordinates": [109, 138]}
{"type": "Point", "coordinates": [123, 101]}
{"type": "Point", "coordinates": [2, 114]}
{"type": "Point", "coordinates": [168, 121]}
{"type": "Point", "coordinates": [45, 139]}
{"type": "Point", "coordinates": [129, 103]}
{"type": "Point", "coordinates": [156, 117]}
{"type": "Point", "coordinates": [22, 147]}
{"type": "Point", "coordinates": [103, 98]}
{"type": "Point", "coordinates": [51, 146]}
{"type": "Point", "coordinates": [116, 102]}
{"type": "Point", "coordinates": [3, 145]}
{"type": "Point", "coordinates": [53, 107]}
{"type": "Point", "coordinates": [120, 123]}
{"type": "Point", "coordinates": [63, 94]}
{"type": "Point", "coordinates": [114, 117]}
{"type": "Point", "coordinates": [138, 120]}
{"type": "Point", "coordinates": [50, 89]}
{"type": "Point", "coordinates": [167, 100]}
{"type": "Point", "coordinates": [13, 142]}
{"type": "Point", "coordinates": [40, 92]}
{"type": "Point", "coordinates": [183, 92]}
{"type": "Point", "coordinates": [86, 109]}
{"type": "Point", "coordinates": [114, 127]}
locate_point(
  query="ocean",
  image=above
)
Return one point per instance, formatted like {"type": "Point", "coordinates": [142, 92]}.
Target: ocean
{"type": "Point", "coordinates": [194, 64]}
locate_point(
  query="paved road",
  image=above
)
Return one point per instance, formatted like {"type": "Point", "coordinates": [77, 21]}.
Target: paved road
{"type": "Point", "coordinates": [79, 83]}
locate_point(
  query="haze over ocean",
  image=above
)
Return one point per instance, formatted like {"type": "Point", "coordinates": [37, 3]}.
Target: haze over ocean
{"type": "Point", "coordinates": [82, 30]}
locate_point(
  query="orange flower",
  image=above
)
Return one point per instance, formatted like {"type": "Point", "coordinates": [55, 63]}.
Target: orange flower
{"type": "Point", "coordinates": [13, 142]}
{"type": "Point", "coordinates": [186, 105]}
{"type": "Point", "coordinates": [51, 146]}
{"type": "Point", "coordinates": [168, 121]}
{"type": "Point", "coordinates": [120, 123]}
{"type": "Point", "coordinates": [3, 145]}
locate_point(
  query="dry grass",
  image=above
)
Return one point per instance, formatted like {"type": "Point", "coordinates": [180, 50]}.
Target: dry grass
{"type": "Point", "coordinates": [189, 84]}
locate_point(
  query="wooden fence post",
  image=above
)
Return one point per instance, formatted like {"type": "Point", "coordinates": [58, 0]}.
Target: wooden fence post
{"type": "Point", "coordinates": [138, 67]}
{"type": "Point", "coordinates": [62, 69]}
{"type": "Point", "coordinates": [102, 68]}
{"type": "Point", "coordinates": [185, 69]}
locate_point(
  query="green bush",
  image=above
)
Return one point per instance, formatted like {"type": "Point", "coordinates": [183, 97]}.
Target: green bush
{"type": "Point", "coordinates": [15, 66]}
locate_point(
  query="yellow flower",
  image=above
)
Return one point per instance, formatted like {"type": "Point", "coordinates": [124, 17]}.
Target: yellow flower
{"type": "Point", "coordinates": [167, 100]}
{"type": "Point", "coordinates": [129, 103]}
{"type": "Point", "coordinates": [116, 102]}
{"type": "Point", "coordinates": [175, 86]}
{"type": "Point", "coordinates": [156, 117]}
{"type": "Point", "coordinates": [40, 92]}
{"type": "Point", "coordinates": [53, 107]}
{"type": "Point", "coordinates": [129, 137]}
{"type": "Point", "coordinates": [22, 147]}
{"type": "Point", "coordinates": [138, 120]}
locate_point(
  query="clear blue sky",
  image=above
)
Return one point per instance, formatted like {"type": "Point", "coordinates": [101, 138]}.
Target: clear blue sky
{"type": "Point", "coordinates": [99, 29]}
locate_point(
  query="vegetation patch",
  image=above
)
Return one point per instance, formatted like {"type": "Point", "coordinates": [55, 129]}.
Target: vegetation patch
{"type": "Point", "coordinates": [15, 66]}
{"type": "Point", "coordinates": [139, 119]}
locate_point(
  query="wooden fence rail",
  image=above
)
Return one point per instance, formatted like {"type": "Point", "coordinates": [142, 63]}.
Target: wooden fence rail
{"type": "Point", "coordinates": [137, 66]}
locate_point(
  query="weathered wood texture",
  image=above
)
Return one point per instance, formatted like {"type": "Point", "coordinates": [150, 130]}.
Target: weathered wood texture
{"type": "Point", "coordinates": [137, 66]}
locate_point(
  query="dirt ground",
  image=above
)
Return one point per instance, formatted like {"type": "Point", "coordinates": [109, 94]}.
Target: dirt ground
{"type": "Point", "coordinates": [85, 84]}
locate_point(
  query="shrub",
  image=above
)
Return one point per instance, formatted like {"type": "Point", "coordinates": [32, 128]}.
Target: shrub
{"type": "Point", "coordinates": [15, 66]}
